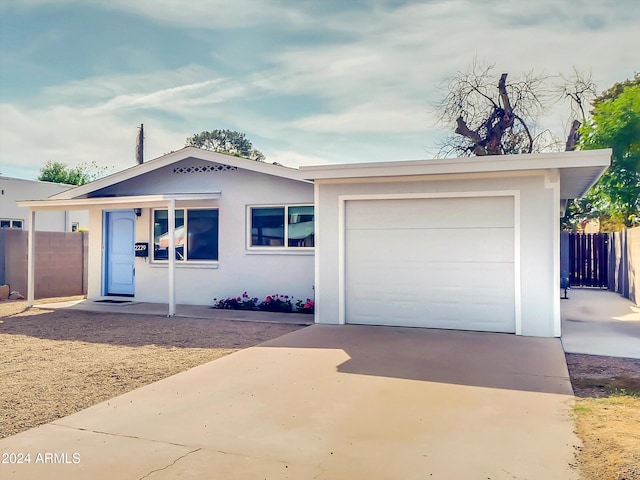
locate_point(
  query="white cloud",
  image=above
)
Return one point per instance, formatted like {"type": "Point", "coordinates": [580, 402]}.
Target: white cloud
{"type": "Point", "coordinates": [107, 86]}
{"type": "Point", "coordinates": [373, 117]}
{"type": "Point", "coordinates": [73, 136]}
{"type": "Point", "coordinates": [221, 14]}
{"type": "Point", "coordinates": [398, 57]}
{"type": "Point", "coordinates": [175, 99]}
{"type": "Point", "coordinates": [292, 158]}
{"type": "Point", "coordinates": [371, 74]}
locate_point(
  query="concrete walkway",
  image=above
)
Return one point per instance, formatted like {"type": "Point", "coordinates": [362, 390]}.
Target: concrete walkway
{"type": "Point", "coordinates": [600, 322]}
{"type": "Point", "coordinates": [185, 311]}
{"type": "Point", "coordinates": [330, 403]}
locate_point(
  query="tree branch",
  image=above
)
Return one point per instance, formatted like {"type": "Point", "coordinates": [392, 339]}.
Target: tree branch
{"type": "Point", "coordinates": [502, 88]}
{"type": "Point", "coordinates": [526, 130]}
{"type": "Point", "coordinates": [573, 136]}
{"type": "Point", "coordinates": [464, 130]}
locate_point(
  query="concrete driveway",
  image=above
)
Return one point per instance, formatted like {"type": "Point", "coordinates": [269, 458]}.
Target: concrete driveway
{"type": "Point", "coordinates": [330, 402]}
{"type": "Point", "coordinates": [600, 322]}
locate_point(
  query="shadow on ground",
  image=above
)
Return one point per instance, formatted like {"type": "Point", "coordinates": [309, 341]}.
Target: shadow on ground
{"type": "Point", "coordinates": [490, 360]}
{"type": "Point", "coordinates": [139, 330]}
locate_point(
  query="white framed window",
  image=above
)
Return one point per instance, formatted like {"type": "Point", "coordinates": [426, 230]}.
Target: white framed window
{"type": "Point", "coordinates": [11, 223]}
{"type": "Point", "coordinates": [283, 227]}
{"type": "Point", "coordinates": [196, 235]}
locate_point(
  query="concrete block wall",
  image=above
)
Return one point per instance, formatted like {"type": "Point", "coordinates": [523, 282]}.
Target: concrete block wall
{"type": "Point", "coordinates": [60, 262]}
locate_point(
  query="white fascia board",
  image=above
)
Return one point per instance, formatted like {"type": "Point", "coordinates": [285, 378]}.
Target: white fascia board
{"type": "Point", "coordinates": [133, 201]}
{"type": "Point", "coordinates": [177, 156]}
{"type": "Point", "coordinates": [496, 163]}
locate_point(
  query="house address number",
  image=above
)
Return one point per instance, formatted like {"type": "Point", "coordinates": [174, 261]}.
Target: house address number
{"type": "Point", "coordinates": [141, 249]}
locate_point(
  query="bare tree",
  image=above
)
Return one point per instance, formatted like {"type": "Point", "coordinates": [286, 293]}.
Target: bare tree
{"type": "Point", "coordinates": [580, 89]}
{"type": "Point", "coordinates": [491, 118]}
{"type": "Point", "coordinates": [492, 115]}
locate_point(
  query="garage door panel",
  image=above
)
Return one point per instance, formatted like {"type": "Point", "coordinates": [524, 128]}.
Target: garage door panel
{"type": "Point", "coordinates": [467, 212]}
{"type": "Point", "coordinates": [439, 290]}
{"type": "Point", "coordinates": [456, 278]}
{"type": "Point", "coordinates": [434, 313]}
{"type": "Point", "coordinates": [414, 278]}
{"type": "Point", "coordinates": [463, 245]}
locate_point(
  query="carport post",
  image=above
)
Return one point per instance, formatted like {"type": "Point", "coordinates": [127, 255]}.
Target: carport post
{"type": "Point", "coordinates": [172, 257]}
{"type": "Point", "coordinates": [31, 259]}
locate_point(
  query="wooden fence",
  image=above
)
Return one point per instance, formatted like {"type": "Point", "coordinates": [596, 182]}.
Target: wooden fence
{"type": "Point", "coordinates": [588, 259]}
{"type": "Point", "coordinates": [624, 263]}
{"type": "Point", "coordinates": [605, 260]}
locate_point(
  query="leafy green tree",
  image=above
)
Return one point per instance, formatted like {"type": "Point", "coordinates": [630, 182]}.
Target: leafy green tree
{"type": "Point", "coordinates": [615, 123]}
{"type": "Point", "coordinates": [226, 141]}
{"type": "Point", "coordinates": [60, 172]}
{"type": "Point", "coordinates": [578, 213]}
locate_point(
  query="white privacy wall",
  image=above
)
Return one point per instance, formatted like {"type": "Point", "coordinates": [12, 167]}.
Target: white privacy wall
{"type": "Point", "coordinates": [536, 223]}
{"type": "Point", "coordinates": [239, 269]}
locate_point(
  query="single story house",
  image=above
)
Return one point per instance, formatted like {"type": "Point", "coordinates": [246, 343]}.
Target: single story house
{"type": "Point", "coordinates": [234, 224]}
{"type": "Point", "coordinates": [467, 243]}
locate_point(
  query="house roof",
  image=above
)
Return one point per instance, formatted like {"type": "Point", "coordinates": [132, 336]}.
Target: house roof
{"type": "Point", "coordinates": [127, 201]}
{"type": "Point", "coordinates": [177, 156]}
{"type": "Point", "coordinates": [578, 170]}
{"type": "Point", "coordinates": [35, 182]}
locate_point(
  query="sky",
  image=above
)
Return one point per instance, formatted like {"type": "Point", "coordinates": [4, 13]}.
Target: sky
{"type": "Point", "coordinates": [308, 81]}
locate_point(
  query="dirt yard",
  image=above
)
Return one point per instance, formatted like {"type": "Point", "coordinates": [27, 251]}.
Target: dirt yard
{"type": "Point", "coordinates": [607, 416]}
{"type": "Point", "coordinates": [56, 363]}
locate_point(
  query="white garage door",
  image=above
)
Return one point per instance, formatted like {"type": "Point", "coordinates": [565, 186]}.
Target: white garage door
{"type": "Point", "coordinates": [431, 262]}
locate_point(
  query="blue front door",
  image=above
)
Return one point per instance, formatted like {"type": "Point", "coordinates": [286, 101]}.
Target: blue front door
{"type": "Point", "coordinates": [119, 256]}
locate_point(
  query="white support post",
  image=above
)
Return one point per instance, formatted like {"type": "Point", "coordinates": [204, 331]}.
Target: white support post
{"type": "Point", "coordinates": [172, 257]}
{"type": "Point", "coordinates": [557, 316]}
{"type": "Point", "coordinates": [31, 259]}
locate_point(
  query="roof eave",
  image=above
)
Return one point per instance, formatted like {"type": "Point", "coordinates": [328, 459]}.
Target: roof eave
{"type": "Point", "coordinates": [588, 158]}
{"type": "Point", "coordinates": [177, 156]}
{"type": "Point", "coordinates": [129, 201]}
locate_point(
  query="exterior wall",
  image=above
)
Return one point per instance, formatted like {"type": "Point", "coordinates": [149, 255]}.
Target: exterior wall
{"type": "Point", "coordinates": [60, 263]}
{"type": "Point", "coordinates": [537, 238]}
{"type": "Point", "coordinates": [14, 189]}
{"type": "Point", "coordinates": [624, 263]}
{"type": "Point", "coordinates": [238, 269]}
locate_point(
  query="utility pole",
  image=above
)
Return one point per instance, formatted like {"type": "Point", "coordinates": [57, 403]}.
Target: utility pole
{"type": "Point", "coordinates": [140, 145]}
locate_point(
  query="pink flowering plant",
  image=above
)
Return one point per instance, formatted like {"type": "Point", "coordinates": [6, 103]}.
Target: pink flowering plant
{"type": "Point", "coordinates": [271, 303]}
{"type": "Point", "coordinates": [305, 307]}
{"type": "Point", "coordinates": [245, 302]}
{"type": "Point", "coordinates": [276, 303]}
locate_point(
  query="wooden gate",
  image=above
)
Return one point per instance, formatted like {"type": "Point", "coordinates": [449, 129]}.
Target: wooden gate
{"type": "Point", "coordinates": [588, 259]}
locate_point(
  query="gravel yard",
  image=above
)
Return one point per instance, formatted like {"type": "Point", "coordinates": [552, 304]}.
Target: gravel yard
{"type": "Point", "coordinates": [55, 363]}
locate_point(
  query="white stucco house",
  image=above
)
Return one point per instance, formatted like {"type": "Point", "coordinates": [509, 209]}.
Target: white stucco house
{"type": "Point", "coordinates": [13, 190]}
{"type": "Point", "coordinates": [235, 225]}
{"type": "Point", "coordinates": [468, 243]}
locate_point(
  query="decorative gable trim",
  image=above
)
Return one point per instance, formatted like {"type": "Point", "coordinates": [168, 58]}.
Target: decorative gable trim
{"type": "Point", "coordinates": [208, 168]}
{"type": "Point", "coordinates": [174, 157]}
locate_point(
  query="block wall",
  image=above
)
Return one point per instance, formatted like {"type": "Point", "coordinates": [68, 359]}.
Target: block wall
{"type": "Point", "coordinates": [60, 262]}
